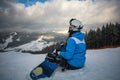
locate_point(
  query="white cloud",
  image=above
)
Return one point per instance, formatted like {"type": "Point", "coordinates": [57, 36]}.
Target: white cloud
{"type": "Point", "coordinates": [56, 14]}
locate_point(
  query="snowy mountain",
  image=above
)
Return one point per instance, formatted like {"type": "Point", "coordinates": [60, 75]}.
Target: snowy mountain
{"type": "Point", "coordinates": [101, 64]}
{"type": "Point", "coordinates": [8, 40]}
{"type": "Point", "coordinates": [36, 45]}
{"type": "Point", "coordinates": [14, 39]}
{"type": "Point", "coordinates": [21, 41]}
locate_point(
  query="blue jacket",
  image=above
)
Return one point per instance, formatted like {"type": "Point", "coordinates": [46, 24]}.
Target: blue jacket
{"type": "Point", "coordinates": [75, 50]}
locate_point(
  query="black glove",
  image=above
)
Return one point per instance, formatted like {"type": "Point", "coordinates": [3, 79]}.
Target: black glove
{"type": "Point", "coordinates": [53, 57]}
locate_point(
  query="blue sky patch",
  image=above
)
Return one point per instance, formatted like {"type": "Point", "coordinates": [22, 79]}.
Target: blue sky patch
{"type": "Point", "coordinates": [30, 2]}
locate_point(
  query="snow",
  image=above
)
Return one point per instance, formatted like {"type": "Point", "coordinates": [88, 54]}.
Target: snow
{"type": "Point", "coordinates": [36, 45]}
{"type": "Point", "coordinates": [18, 39]}
{"type": "Point", "coordinates": [100, 64]}
{"type": "Point", "coordinates": [8, 40]}
{"type": "Point", "coordinates": [16, 65]}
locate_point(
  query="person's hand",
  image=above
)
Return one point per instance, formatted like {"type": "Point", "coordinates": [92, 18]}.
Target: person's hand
{"type": "Point", "coordinates": [58, 52]}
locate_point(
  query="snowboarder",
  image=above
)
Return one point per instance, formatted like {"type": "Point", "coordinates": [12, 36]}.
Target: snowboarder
{"type": "Point", "coordinates": [73, 56]}
{"type": "Point", "coordinates": [70, 56]}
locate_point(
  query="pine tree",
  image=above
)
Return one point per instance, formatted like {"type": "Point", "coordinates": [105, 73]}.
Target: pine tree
{"type": "Point", "coordinates": [109, 35]}
{"type": "Point", "coordinates": [103, 36]}
{"type": "Point", "coordinates": [98, 38]}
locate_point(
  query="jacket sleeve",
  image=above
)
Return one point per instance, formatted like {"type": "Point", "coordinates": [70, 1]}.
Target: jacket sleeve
{"type": "Point", "coordinates": [70, 48]}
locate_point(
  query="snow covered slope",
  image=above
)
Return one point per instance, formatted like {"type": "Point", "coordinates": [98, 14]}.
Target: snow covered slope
{"type": "Point", "coordinates": [8, 40]}
{"type": "Point", "coordinates": [36, 45]}
{"type": "Point", "coordinates": [101, 64]}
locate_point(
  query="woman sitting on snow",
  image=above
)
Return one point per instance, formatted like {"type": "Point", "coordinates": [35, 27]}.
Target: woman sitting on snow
{"type": "Point", "coordinates": [73, 57]}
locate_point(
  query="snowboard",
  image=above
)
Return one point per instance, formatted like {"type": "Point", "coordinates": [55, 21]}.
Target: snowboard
{"type": "Point", "coordinates": [45, 69]}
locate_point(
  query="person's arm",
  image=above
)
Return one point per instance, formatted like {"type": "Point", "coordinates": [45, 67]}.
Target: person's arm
{"type": "Point", "coordinates": [70, 48]}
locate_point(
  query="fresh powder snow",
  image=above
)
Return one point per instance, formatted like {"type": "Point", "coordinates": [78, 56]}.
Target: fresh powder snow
{"type": "Point", "coordinates": [102, 64]}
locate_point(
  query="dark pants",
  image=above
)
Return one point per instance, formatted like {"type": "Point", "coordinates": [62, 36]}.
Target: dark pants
{"type": "Point", "coordinates": [61, 61]}
{"type": "Point", "coordinates": [66, 65]}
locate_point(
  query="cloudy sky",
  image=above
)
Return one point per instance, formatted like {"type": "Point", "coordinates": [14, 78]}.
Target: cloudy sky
{"type": "Point", "coordinates": [54, 15]}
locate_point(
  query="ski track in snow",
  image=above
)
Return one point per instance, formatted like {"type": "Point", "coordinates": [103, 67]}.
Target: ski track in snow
{"type": "Point", "coordinates": [101, 64]}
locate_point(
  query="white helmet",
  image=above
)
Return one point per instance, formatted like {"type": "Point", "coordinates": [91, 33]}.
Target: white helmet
{"type": "Point", "coordinates": [75, 25]}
